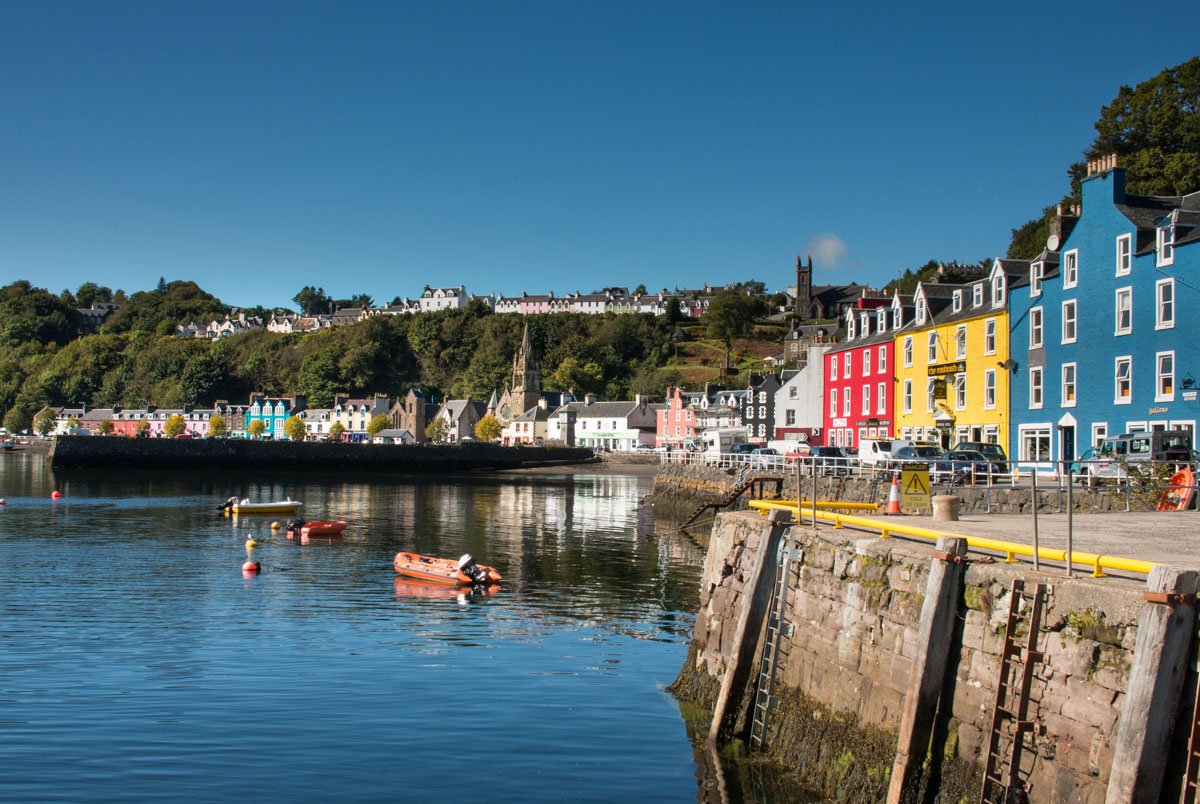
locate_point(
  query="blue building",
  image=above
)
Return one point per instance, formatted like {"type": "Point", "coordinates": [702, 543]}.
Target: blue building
{"type": "Point", "coordinates": [1102, 322]}
{"type": "Point", "coordinates": [273, 411]}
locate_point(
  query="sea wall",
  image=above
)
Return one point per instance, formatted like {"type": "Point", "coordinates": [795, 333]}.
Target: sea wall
{"type": "Point", "coordinates": [119, 452]}
{"type": "Point", "coordinates": [848, 647]}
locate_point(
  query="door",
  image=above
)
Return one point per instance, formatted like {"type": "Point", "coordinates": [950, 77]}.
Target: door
{"type": "Point", "coordinates": [1067, 443]}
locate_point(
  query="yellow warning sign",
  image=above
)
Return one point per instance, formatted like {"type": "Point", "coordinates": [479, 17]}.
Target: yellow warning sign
{"type": "Point", "coordinates": [914, 487]}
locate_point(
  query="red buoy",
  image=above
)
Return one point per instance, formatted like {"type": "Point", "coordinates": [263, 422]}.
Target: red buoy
{"type": "Point", "coordinates": [252, 567]}
{"type": "Point", "coordinates": [54, 495]}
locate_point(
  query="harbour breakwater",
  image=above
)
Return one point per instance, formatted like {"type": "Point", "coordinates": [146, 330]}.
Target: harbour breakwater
{"type": "Point", "coordinates": [886, 660]}
{"type": "Point", "coordinates": [153, 453]}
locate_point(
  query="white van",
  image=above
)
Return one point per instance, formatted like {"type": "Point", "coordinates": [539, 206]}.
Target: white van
{"type": "Point", "coordinates": [874, 451]}
{"type": "Point", "coordinates": [719, 441]}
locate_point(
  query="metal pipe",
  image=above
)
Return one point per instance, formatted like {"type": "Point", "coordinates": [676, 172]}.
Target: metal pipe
{"type": "Point", "coordinates": [1036, 544]}
{"type": "Point", "coordinates": [1070, 520]}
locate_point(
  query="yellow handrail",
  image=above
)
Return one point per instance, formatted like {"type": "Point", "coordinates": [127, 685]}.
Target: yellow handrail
{"type": "Point", "coordinates": [1097, 563]}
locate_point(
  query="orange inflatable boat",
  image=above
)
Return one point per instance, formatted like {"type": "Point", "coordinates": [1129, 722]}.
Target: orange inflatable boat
{"type": "Point", "coordinates": [464, 571]}
{"type": "Point", "coordinates": [321, 528]}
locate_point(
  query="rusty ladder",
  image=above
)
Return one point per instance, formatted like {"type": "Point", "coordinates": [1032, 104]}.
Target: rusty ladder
{"type": "Point", "coordinates": [776, 627]}
{"type": "Point", "coordinates": [1191, 779]}
{"type": "Point", "coordinates": [1002, 780]}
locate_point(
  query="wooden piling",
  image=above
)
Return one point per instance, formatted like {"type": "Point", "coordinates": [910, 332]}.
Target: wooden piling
{"type": "Point", "coordinates": [1155, 684]}
{"type": "Point", "coordinates": [943, 593]}
{"type": "Point", "coordinates": [756, 597]}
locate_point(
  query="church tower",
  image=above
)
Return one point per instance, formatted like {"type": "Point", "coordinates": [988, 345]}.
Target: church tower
{"type": "Point", "coordinates": [804, 298]}
{"type": "Point", "coordinates": [526, 388]}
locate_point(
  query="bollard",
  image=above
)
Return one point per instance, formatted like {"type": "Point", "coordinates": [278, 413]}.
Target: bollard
{"type": "Point", "coordinates": [945, 508]}
{"type": "Point", "coordinates": [935, 634]}
{"type": "Point", "coordinates": [1155, 686]}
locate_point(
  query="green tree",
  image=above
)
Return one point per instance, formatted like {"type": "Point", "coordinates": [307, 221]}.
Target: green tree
{"type": "Point", "coordinates": [435, 431]}
{"type": "Point", "coordinates": [488, 428]}
{"type": "Point", "coordinates": [18, 419]}
{"type": "Point", "coordinates": [202, 378]}
{"type": "Point", "coordinates": [673, 313]}
{"type": "Point", "coordinates": [73, 423]}
{"type": "Point", "coordinates": [43, 422]}
{"type": "Point", "coordinates": [142, 428]}
{"type": "Point", "coordinates": [293, 428]}
{"type": "Point", "coordinates": [378, 423]}
{"type": "Point", "coordinates": [585, 378]}
{"type": "Point", "coordinates": [175, 425]}
{"type": "Point", "coordinates": [89, 293]}
{"type": "Point", "coordinates": [313, 301]}
{"type": "Point", "coordinates": [256, 428]}
{"type": "Point", "coordinates": [337, 431]}
{"type": "Point", "coordinates": [216, 426]}
{"type": "Point", "coordinates": [730, 315]}
{"type": "Point", "coordinates": [105, 427]}
{"type": "Point", "coordinates": [29, 313]}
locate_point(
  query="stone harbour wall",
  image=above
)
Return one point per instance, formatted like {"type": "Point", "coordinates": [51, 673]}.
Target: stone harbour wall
{"type": "Point", "coordinates": [849, 646]}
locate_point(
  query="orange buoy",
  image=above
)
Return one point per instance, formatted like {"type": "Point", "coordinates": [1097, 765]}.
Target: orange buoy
{"type": "Point", "coordinates": [54, 495]}
{"type": "Point", "coordinates": [3, 501]}
{"type": "Point", "coordinates": [252, 567]}
{"type": "Point", "coordinates": [275, 525]}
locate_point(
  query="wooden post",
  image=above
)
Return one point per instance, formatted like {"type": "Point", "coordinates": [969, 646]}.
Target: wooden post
{"type": "Point", "coordinates": [756, 597]}
{"type": "Point", "coordinates": [1155, 683]}
{"type": "Point", "coordinates": [942, 595]}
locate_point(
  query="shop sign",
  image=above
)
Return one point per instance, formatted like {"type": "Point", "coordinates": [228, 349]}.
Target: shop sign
{"type": "Point", "coordinates": [946, 369]}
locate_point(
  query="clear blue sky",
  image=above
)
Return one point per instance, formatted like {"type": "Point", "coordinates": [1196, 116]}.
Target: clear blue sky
{"type": "Point", "coordinates": [374, 147]}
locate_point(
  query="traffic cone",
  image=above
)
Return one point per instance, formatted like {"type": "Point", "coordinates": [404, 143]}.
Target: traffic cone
{"type": "Point", "coordinates": [893, 506]}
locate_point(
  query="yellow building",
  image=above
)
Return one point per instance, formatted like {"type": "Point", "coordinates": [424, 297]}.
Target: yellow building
{"type": "Point", "coordinates": [952, 366]}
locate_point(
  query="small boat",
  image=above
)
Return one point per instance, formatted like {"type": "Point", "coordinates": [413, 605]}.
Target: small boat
{"type": "Point", "coordinates": [1179, 492]}
{"type": "Point", "coordinates": [464, 571]}
{"type": "Point", "coordinates": [288, 506]}
{"type": "Point", "coordinates": [321, 528]}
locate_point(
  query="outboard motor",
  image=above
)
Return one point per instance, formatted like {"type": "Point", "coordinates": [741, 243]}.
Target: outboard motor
{"type": "Point", "coordinates": [468, 567]}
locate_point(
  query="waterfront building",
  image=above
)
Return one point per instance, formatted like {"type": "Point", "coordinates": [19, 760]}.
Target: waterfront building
{"type": "Point", "coordinates": [234, 416]}
{"type": "Point", "coordinates": [952, 369]}
{"type": "Point", "coordinates": [799, 414]}
{"type": "Point", "coordinates": [460, 417]}
{"type": "Point", "coordinates": [1105, 344]}
{"type": "Point", "coordinates": [619, 426]}
{"type": "Point", "coordinates": [273, 411]}
{"type": "Point", "coordinates": [355, 414]}
{"type": "Point", "coordinates": [758, 407]}
{"type": "Point", "coordinates": [413, 413]}
{"type": "Point", "coordinates": [317, 422]}
{"type": "Point", "coordinates": [529, 428]}
{"type": "Point", "coordinates": [676, 421]}
{"type": "Point", "coordinates": [859, 379]}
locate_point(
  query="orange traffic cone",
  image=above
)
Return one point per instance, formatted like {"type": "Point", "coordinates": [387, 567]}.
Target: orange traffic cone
{"type": "Point", "coordinates": [893, 506]}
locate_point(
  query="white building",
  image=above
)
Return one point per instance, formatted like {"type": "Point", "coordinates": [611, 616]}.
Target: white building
{"type": "Point", "coordinates": [434, 299]}
{"type": "Point", "coordinates": [317, 422]}
{"type": "Point", "coordinates": [798, 409]}
{"type": "Point", "coordinates": [609, 425]}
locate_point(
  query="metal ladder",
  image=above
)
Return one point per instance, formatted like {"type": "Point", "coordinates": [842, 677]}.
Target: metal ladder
{"type": "Point", "coordinates": [1002, 781]}
{"type": "Point", "coordinates": [764, 699]}
{"type": "Point", "coordinates": [1191, 780]}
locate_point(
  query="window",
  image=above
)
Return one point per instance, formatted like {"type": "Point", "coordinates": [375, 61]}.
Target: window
{"type": "Point", "coordinates": [762, 414]}
{"type": "Point", "coordinates": [1035, 278]}
{"type": "Point", "coordinates": [1165, 240]}
{"type": "Point", "coordinates": [850, 328]}
{"type": "Point", "coordinates": [866, 400]}
{"type": "Point", "coordinates": [1071, 269]}
{"type": "Point", "coordinates": [789, 418]}
{"type": "Point", "coordinates": [882, 360]}
{"type": "Point", "coordinates": [1035, 328]}
{"type": "Point", "coordinates": [833, 367]}
{"type": "Point", "coordinates": [1068, 321]}
{"type": "Point", "coordinates": [1164, 385]}
{"type": "Point", "coordinates": [920, 304]}
{"type": "Point", "coordinates": [864, 324]}
{"type": "Point", "coordinates": [931, 355]}
{"type": "Point", "coordinates": [1035, 444]}
{"type": "Point", "coordinates": [977, 296]}
{"type": "Point", "coordinates": [989, 336]}
{"type": "Point", "coordinates": [846, 403]}
{"type": "Point", "coordinates": [866, 362]}
{"type": "Point", "coordinates": [960, 391]}
{"type": "Point", "coordinates": [1068, 385]}
{"type": "Point", "coordinates": [960, 342]}
{"type": "Point", "coordinates": [930, 399]}
{"type": "Point", "coordinates": [1124, 308]}
{"type": "Point", "coordinates": [957, 301]}
{"type": "Point", "coordinates": [794, 392]}
{"type": "Point", "coordinates": [833, 402]}
{"type": "Point", "coordinates": [1035, 387]}
{"type": "Point", "coordinates": [1124, 255]}
{"type": "Point", "coordinates": [908, 351]}
{"type": "Point", "coordinates": [1124, 381]}
{"type": "Point", "coordinates": [846, 367]}
{"type": "Point", "coordinates": [1099, 433]}
{"type": "Point", "coordinates": [908, 396]}
{"type": "Point", "coordinates": [1164, 292]}
{"type": "Point", "coordinates": [897, 318]}
{"type": "Point", "coordinates": [998, 290]}
{"type": "Point", "coordinates": [881, 400]}
{"type": "Point", "coordinates": [989, 389]}
{"type": "Point", "coordinates": [881, 320]}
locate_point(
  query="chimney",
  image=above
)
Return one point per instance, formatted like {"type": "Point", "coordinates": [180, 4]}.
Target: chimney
{"type": "Point", "coordinates": [640, 400]}
{"type": "Point", "coordinates": [589, 399]}
{"type": "Point", "coordinates": [543, 403]}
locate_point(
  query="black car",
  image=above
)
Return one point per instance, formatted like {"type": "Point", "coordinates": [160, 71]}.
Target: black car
{"type": "Point", "coordinates": [993, 452]}
{"type": "Point", "coordinates": [964, 466]}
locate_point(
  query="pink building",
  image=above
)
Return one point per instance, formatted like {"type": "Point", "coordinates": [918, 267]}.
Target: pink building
{"type": "Point", "coordinates": [677, 423]}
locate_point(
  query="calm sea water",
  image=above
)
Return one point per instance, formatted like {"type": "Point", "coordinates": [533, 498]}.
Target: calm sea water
{"type": "Point", "coordinates": [137, 663]}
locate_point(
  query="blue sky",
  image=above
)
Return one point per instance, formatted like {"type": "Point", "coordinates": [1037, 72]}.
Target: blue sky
{"type": "Point", "coordinates": [375, 147]}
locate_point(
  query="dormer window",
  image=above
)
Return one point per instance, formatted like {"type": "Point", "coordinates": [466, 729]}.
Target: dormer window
{"type": "Point", "coordinates": [1071, 269]}
{"type": "Point", "coordinates": [850, 328]}
{"type": "Point", "coordinates": [1165, 242]}
{"type": "Point", "coordinates": [881, 320]}
{"type": "Point", "coordinates": [977, 296]}
{"type": "Point", "coordinates": [998, 290]}
{"type": "Point", "coordinates": [920, 302]}
{"type": "Point", "coordinates": [1035, 278]}
{"type": "Point", "coordinates": [864, 325]}
{"type": "Point", "coordinates": [897, 318]}
{"type": "Point", "coordinates": [957, 304]}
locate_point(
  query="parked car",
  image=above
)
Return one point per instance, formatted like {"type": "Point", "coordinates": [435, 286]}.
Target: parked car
{"type": "Point", "coordinates": [916, 453]}
{"type": "Point", "coordinates": [765, 458]}
{"type": "Point", "coordinates": [746, 448]}
{"type": "Point", "coordinates": [831, 460]}
{"type": "Point", "coordinates": [993, 452]}
{"type": "Point", "coordinates": [964, 466]}
{"type": "Point", "coordinates": [874, 451]}
{"type": "Point", "coordinates": [1114, 456]}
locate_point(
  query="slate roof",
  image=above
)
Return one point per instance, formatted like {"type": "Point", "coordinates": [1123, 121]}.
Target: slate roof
{"type": "Point", "coordinates": [599, 410]}
{"type": "Point", "coordinates": [1144, 212]}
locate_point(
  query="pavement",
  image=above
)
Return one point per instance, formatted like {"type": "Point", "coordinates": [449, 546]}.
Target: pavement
{"type": "Point", "coordinates": [1164, 537]}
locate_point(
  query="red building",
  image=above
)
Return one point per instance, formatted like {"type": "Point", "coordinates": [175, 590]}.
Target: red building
{"type": "Point", "coordinates": [859, 373]}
